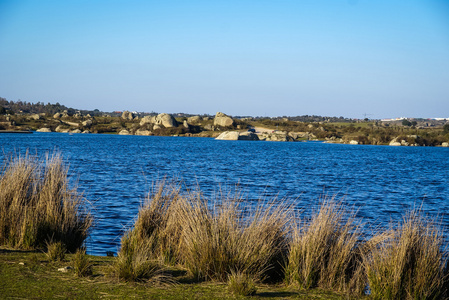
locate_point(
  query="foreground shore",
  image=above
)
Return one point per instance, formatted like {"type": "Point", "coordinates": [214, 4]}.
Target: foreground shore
{"type": "Point", "coordinates": [30, 275]}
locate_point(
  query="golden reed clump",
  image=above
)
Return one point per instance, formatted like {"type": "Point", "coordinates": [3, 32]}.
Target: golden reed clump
{"type": "Point", "coordinates": [37, 206]}
{"type": "Point", "coordinates": [215, 240]}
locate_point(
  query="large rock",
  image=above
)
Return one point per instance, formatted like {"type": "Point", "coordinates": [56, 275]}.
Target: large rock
{"type": "Point", "coordinates": [57, 115]}
{"type": "Point", "coordinates": [445, 144]}
{"type": "Point", "coordinates": [35, 117]}
{"type": "Point", "coordinates": [248, 136]}
{"type": "Point", "coordinates": [143, 132]}
{"type": "Point", "coordinates": [87, 123]}
{"type": "Point", "coordinates": [72, 123]}
{"type": "Point", "coordinates": [166, 120]}
{"type": "Point", "coordinates": [61, 129]}
{"type": "Point", "coordinates": [194, 120]}
{"type": "Point", "coordinates": [275, 137]}
{"type": "Point", "coordinates": [44, 130]}
{"type": "Point", "coordinates": [228, 135]}
{"type": "Point", "coordinates": [76, 131]}
{"type": "Point", "coordinates": [238, 136]}
{"type": "Point", "coordinates": [223, 120]}
{"type": "Point", "coordinates": [127, 115]}
{"type": "Point", "coordinates": [394, 142]}
{"type": "Point", "coordinates": [148, 120]}
{"type": "Point", "coordinates": [124, 132]}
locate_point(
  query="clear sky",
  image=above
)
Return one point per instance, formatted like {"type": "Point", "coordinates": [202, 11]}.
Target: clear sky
{"type": "Point", "coordinates": [383, 58]}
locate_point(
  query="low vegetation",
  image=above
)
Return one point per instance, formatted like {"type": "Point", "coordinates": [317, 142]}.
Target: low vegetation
{"type": "Point", "coordinates": [323, 251]}
{"type": "Point", "coordinates": [210, 242]}
{"type": "Point", "coordinates": [181, 238]}
{"type": "Point", "coordinates": [241, 284]}
{"type": "Point", "coordinates": [221, 241]}
{"type": "Point", "coordinates": [408, 262]}
{"type": "Point", "coordinates": [37, 207]}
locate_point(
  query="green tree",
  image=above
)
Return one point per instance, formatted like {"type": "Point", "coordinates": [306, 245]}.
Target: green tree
{"type": "Point", "coordinates": [406, 122]}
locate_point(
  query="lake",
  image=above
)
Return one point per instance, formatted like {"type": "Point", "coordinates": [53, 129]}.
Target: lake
{"type": "Point", "coordinates": [116, 172]}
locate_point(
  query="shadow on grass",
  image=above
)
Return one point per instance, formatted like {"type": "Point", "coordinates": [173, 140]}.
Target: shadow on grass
{"type": "Point", "coordinates": [2, 250]}
{"type": "Point", "coordinates": [276, 294]}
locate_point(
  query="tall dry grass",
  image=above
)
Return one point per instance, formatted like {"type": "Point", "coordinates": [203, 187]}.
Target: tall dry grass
{"type": "Point", "coordinates": [211, 241]}
{"type": "Point", "coordinates": [37, 205]}
{"type": "Point", "coordinates": [216, 240]}
{"type": "Point", "coordinates": [407, 262]}
{"type": "Point", "coordinates": [324, 251]}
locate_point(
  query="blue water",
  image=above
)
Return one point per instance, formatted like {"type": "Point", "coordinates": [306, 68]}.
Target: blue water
{"type": "Point", "coordinates": [116, 172]}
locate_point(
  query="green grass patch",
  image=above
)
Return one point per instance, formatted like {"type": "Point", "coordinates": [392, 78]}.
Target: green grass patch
{"type": "Point", "coordinates": [31, 275]}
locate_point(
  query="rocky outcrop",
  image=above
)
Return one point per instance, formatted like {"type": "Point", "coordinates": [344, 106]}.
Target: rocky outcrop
{"type": "Point", "coordinates": [185, 124]}
{"type": "Point", "coordinates": [445, 144]}
{"type": "Point", "coordinates": [57, 116]}
{"type": "Point", "coordinates": [44, 130]}
{"type": "Point", "coordinates": [238, 136]}
{"type": "Point", "coordinates": [275, 137]}
{"type": "Point", "coordinates": [194, 120]}
{"type": "Point", "coordinates": [35, 117]}
{"type": "Point", "coordinates": [209, 127]}
{"type": "Point", "coordinates": [127, 115]}
{"type": "Point", "coordinates": [394, 142]}
{"type": "Point", "coordinates": [166, 120]}
{"type": "Point", "coordinates": [223, 120]}
{"type": "Point", "coordinates": [353, 142]}
{"type": "Point", "coordinates": [76, 131]}
{"type": "Point", "coordinates": [409, 140]}
{"type": "Point", "coordinates": [72, 123]}
{"type": "Point", "coordinates": [87, 123]}
{"type": "Point", "coordinates": [124, 132]}
{"type": "Point", "coordinates": [248, 136]}
{"type": "Point", "coordinates": [229, 136]}
{"type": "Point", "coordinates": [148, 120]}
{"type": "Point", "coordinates": [61, 129]}
{"type": "Point", "coordinates": [143, 132]}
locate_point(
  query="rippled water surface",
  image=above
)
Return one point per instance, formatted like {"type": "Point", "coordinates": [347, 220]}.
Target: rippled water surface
{"type": "Point", "coordinates": [116, 172]}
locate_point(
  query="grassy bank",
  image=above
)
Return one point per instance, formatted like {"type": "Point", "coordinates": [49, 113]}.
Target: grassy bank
{"type": "Point", "coordinates": [30, 275]}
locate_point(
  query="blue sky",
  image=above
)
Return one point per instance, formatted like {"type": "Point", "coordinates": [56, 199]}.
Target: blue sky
{"type": "Point", "coordinates": [385, 58]}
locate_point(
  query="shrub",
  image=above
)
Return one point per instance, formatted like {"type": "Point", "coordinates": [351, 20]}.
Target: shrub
{"type": "Point", "coordinates": [81, 263]}
{"type": "Point", "coordinates": [408, 263]}
{"type": "Point", "coordinates": [37, 206]}
{"type": "Point", "coordinates": [241, 284]}
{"type": "Point", "coordinates": [323, 251]}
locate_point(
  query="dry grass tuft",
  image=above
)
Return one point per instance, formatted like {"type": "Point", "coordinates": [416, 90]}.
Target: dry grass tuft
{"type": "Point", "coordinates": [56, 251]}
{"type": "Point", "coordinates": [37, 206]}
{"type": "Point", "coordinates": [408, 262]}
{"type": "Point", "coordinates": [210, 241]}
{"type": "Point", "coordinates": [81, 263]}
{"type": "Point", "coordinates": [241, 284]}
{"type": "Point", "coordinates": [324, 251]}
